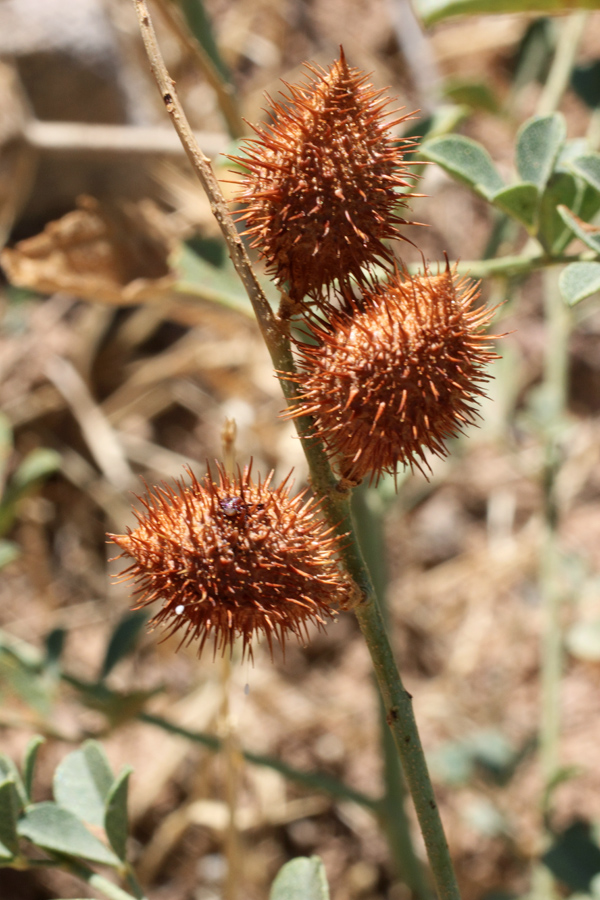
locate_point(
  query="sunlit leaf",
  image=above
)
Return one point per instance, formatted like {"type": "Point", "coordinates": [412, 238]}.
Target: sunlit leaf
{"type": "Point", "coordinates": [54, 828]}
{"type": "Point", "coordinates": [82, 782]}
{"type": "Point", "coordinates": [465, 160]}
{"type": "Point", "coordinates": [571, 150]}
{"type": "Point", "coordinates": [539, 143]}
{"type": "Point", "coordinates": [578, 281]}
{"type": "Point", "coordinates": [520, 201]}
{"type": "Point", "coordinates": [303, 878]}
{"type": "Point", "coordinates": [587, 166]}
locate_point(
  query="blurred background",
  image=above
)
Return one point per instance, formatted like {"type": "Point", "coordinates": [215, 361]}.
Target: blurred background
{"type": "Point", "coordinates": [126, 343]}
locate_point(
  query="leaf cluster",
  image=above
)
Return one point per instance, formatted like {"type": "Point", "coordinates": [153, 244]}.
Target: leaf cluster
{"type": "Point", "coordinates": [555, 196]}
{"type": "Point", "coordinates": [86, 796]}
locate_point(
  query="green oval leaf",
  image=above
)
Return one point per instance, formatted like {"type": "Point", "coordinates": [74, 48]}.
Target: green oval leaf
{"type": "Point", "coordinates": [571, 150]}
{"type": "Point", "coordinates": [31, 753]}
{"type": "Point", "coordinates": [9, 772]}
{"type": "Point", "coordinates": [465, 160]}
{"type": "Point", "coordinates": [562, 190]}
{"type": "Point", "coordinates": [38, 464]}
{"type": "Point", "coordinates": [10, 806]}
{"type": "Point", "coordinates": [303, 878]}
{"type": "Point", "coordinates": [578, 281]}
{"type": "Point", "coordinates": [520, 201]}
{"type": "Point", "coordinates": [115, 821]}
{"type": "Point", "coordinates": [82, 783]}
{"type": "Point", "coordinates": [587, 166]}
{"type": "Point", "coordinates": [122, 640]}
{"type": "Point", "coordinates": [585, 81]}
{"type": "Point", "coordinates": [574, 858]}
{"type": "Point", "coordinates": [539, 143]}
{"type": "Point", "coordinates": [54, 828]}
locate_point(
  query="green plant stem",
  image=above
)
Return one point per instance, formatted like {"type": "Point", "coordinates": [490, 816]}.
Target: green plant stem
{"type": "Point", "coordinates": [368, 514]}
{"type": "Point", "coordinates": [555, 397]}
{"type": "Point", "coordinates": [313, 780]}
{"type": "Point", "coordinates": [80, 870]}
{"type": "Point", "coordinates": [400, 718]}
{"type": "Point", "coordinates": [335, 498]}
{"type": "Point", "coordinates": [518, 265]}
{"type": "Point", "coordinates": [207, 58]}
{"type": "Point", "coordinates": [570, 32]}
{"type": "Point", "coordinates": [99, 882]}
{"type": "Point", "coordinates": [133, 883]}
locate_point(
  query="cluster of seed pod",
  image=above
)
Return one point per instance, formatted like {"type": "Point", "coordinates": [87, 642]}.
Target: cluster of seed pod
{"type": "Point", "coordinates": [387, 369]}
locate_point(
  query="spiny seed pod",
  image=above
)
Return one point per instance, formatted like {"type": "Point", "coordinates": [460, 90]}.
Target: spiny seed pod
{"type": "Point", "coordinates": [324, 181]}
{"type": "Point", "coordinates": [232, 559]}
{"type": "Point", "coordinates": [397, 377]}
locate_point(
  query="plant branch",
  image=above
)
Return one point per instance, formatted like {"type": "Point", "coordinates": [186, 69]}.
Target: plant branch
{"type": "Point", "coordinates": [518, 265]}
{"type": "Point", "coordinates": [99, 882]}
{"type": "Point", "coordinates": [222, 88]}
{"type": "Point", "coordinates": [313, 780]}
{"type": "Point", "coordinates": [86, 137]}
{"type": "Point", "coordinates": [202, 167]}
{"type": "Point", "coordinates": [335, 498]}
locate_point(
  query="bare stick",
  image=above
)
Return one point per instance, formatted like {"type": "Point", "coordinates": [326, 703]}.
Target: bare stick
{"type": "Point", "coordinates": [86, 137]}
{"type": "Point", "coordinates": [203, 169]}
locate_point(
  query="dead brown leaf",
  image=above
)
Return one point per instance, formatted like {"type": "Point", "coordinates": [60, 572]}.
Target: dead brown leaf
{"type": "Point", "coordinates": [115, 254]}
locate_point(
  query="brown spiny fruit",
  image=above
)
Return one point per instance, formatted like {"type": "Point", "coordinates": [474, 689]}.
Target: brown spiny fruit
{"type": "Point", "coordinates": [389, 382]}
{"type": "Point", "coordinates": [324, 181]}
{"type": "Point", "coordinates": [233, 558]}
